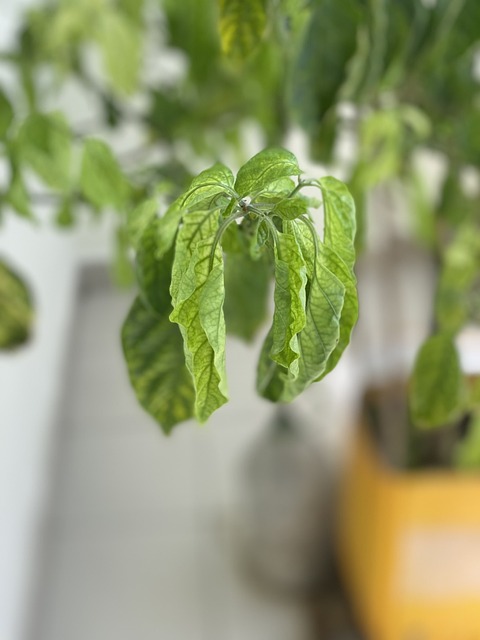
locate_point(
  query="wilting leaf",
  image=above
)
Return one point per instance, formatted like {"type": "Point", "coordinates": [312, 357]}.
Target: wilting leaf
{"type": "Point", "coordinates": [349, 310]}
{"type": "Point", "coordinates": [289, 314]}
{"type": "Point", "coordinates": [198, 294]}
{"type": "Point", "coordinates": [320, 336]}
{"type": "Point", "coordinates": [340, 221]}
{"type": "Point", "coordinates": [16, 311]}
{"type": "Point", "coordinates": [437, 391]}
{"type": "Point", "coordinates": [153, 350]}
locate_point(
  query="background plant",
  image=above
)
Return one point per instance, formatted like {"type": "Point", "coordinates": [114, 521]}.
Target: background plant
{"type": "Point", "coordinates": [408, 68]}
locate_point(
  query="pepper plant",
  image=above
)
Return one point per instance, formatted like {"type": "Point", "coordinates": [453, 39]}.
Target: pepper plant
{"type": "Point", "coordinates": [216, 248]}
{"type": "Point", "coordinates": [407, 69]}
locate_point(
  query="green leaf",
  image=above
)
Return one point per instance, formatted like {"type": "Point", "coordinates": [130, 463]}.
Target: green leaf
{"type": "Point", "coordinates": [291, 208]}
{"type": "Point", "coordinates": [258, 240]}
{"type": "Point", "coordinates": [17, 195]}
{"type": "Point", "coordinates": [211, 182]}
{"type": "Point", "coordinates": [122, 268]}
{"type": "Point", "coordinates": [349, 311]}
{"type": "Point", "coordinates": [320, 336]}
{"type": "Point", "coordinates": [349, 315]}
{"type": "Point", "coordinates": [278, 190]}
{"type": "Point", "coordinates": [6, 115]}
{"type": "Point", "coordinates": [242, 26]}
{"type": "Point", "coordinates": [120, 43]}
{"type": "Point", "coordinates": [65, 217]}
{"type": "Point", "coordinates": [320, 339]}
{"type": "Point", "coordinates": [44, 144]}
{"type": "Point", "coordinates": [340, 221]}
{"type": "Point", "coordinates": [271, 377]}
{"type": "Point", "coordinates": [290, 297]}
{"type": "Point", "coordinates": [153, 271]}
{"type": "Point", "coordinates": [467, 451]}
{"type": "Point", "coordinates": [154, 353]}
{"type": "Point", "coordinates": [321, 68]}
{"type": "Point", "coordinates": [168, 226]}
{"type": "Point", "coordinates": [458, 294]}
{"type": "Point", "coordinates": [133, 9]}
{"type": "Point", "coordinates": [437, 391]}
{"type": "Point", "coordinates": [16, 311]}
{"type": "Point", "coordinates": [246, 294]}
{"type": "Point", "coordinates": [101, 179]}
{"type": "Point", "coordinates": [266, 167]}
{"type": "Point", "coordinates": [139, 219]}
{"type": "Point", "coordinates": [197, 290]}
{"type": "Point", "coordinates": [382, 136]}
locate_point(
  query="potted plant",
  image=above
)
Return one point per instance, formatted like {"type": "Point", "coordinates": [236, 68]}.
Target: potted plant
{"type": "Point", "coordinates": [396, 77]}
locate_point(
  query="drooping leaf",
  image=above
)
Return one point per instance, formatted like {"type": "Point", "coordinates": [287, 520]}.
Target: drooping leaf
{"type": "Point", "coordinates": [246, 294]}
{"type": "Point", "coordinates": [349, 310]}
{"type": "Point", "coordinates": [101, 179]}
{"type": "Point", "coordinates": [242, 26]}
{"type": "Point", "coordinates": [349, 315]}
{"type": "Point", "coordinates": [320, 336]}
{"type": "Point", "coordinates": [289, 315]}
{"type": "Point", "coordinates": [321, 68]}
{"type": "Point", "coordinates": [120, 44]}
{"type": "Point", "coordinates": [340, 221]}
{"type": "Point", "coordinates": [6, 115]}
{"type": "Point", "coordinates": [44, 144]}
{"type": "Point", "coordinates": [265, 168]}
{"type": "Point", "coordinates": [16, 311]}
{"type": "Point", "coordinates": [197, 290]}
{"type": "Point", "coordinates": [154, 353]}
{"type": "Point", "coordinates": [437, 391]}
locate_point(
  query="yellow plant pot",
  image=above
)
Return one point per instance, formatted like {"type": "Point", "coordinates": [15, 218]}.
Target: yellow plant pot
{"type": "Point", "coordinates": [409, 549]}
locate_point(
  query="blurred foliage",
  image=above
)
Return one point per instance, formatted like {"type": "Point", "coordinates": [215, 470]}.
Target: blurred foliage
{"type": "Point", "coordinates": [16, 312]}
{"type": "Point", "coordinates": [410, 71]}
